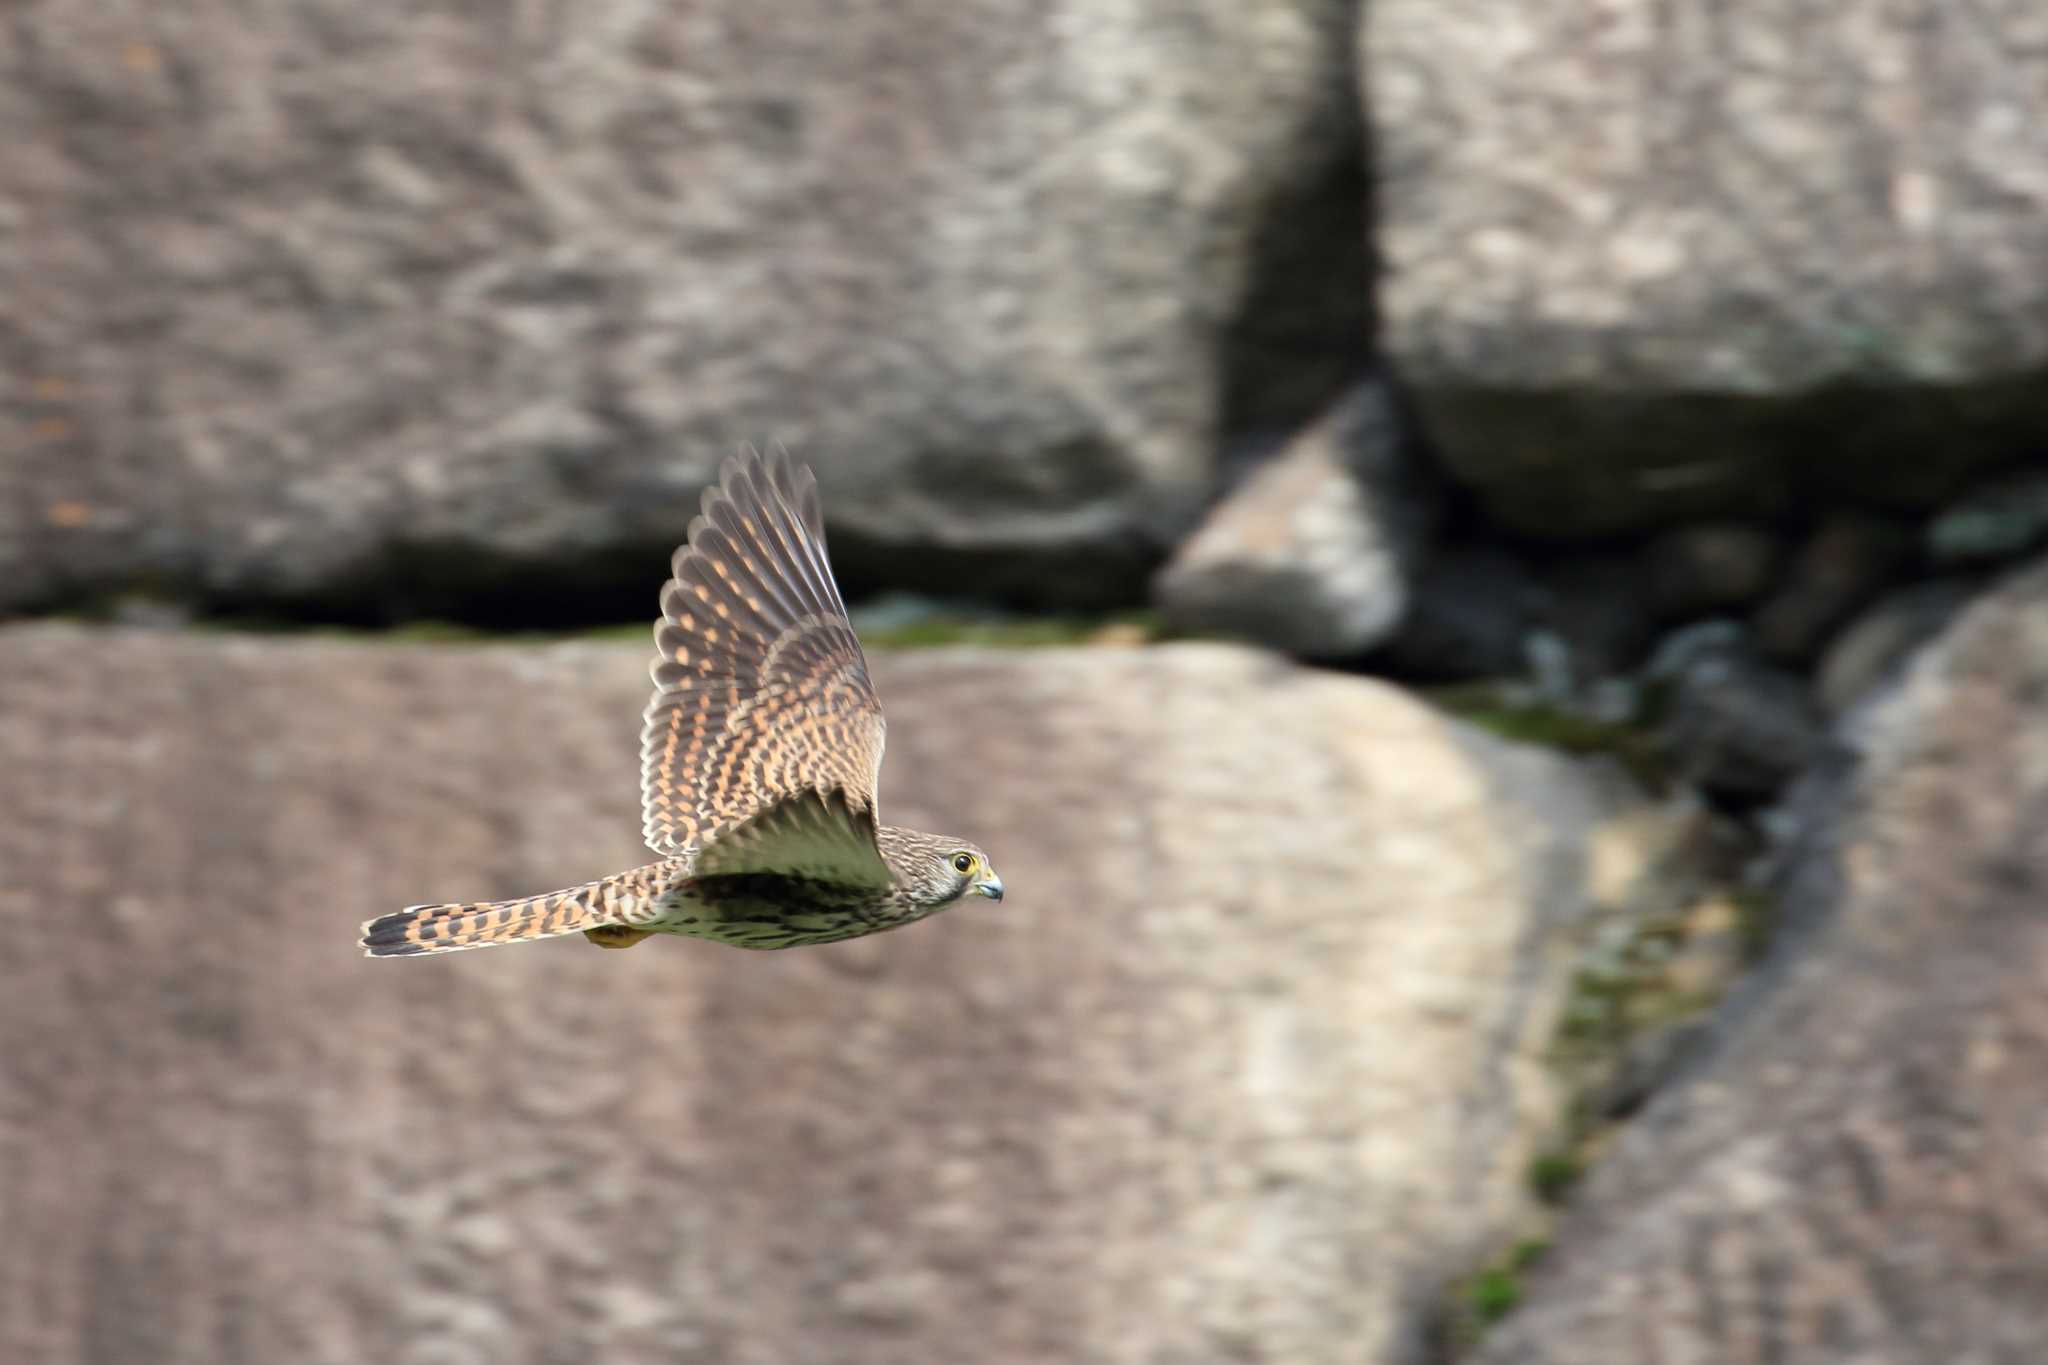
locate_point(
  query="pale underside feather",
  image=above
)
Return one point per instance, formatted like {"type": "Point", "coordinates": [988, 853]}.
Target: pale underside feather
{"type": "Point", "coordinates": [811, 838]}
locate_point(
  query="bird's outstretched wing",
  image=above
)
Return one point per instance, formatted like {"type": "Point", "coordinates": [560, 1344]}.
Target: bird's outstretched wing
{"type": "Point", "coordinates": [761, 695]}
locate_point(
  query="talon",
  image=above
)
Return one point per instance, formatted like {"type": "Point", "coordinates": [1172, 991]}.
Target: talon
{"type": "Point", "coordinates": [616, 935]}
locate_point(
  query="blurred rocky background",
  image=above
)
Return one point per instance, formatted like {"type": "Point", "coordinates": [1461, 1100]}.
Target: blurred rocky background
{"type": "Point", "coordinates": [1482, 570]}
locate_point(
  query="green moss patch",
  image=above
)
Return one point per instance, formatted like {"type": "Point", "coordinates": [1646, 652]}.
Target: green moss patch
{"type": "Point", "coordinates": [1497, 710]}
{"type": "Point", "coordinates": [1495, 1291]}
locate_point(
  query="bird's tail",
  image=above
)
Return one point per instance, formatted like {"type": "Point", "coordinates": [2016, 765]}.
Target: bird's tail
{"type": "Point", "coordinates": [617, 900]}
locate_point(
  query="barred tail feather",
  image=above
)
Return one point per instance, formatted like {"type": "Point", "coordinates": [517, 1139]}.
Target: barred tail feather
{"type": "Point", "coordinates": [486, 923]}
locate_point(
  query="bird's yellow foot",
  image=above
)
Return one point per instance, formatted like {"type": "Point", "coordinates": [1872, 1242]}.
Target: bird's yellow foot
{"type": "Point", "coordinates": [616, 935]}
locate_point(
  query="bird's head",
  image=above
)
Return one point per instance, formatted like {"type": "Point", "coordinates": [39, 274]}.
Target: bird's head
{"type": "Point", "coordinates": [934, 872]}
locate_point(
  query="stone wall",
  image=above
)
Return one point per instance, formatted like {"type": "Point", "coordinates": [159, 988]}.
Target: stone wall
{"type": "Point", "coordinates": [1668, 388]}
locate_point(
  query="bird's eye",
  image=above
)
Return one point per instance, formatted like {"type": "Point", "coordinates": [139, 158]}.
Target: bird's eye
{"type": "Point", "coordinates": [963, 863]}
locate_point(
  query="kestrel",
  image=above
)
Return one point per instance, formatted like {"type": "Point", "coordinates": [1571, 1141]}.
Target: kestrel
{"type": "Point", "coordinates": [759, 756]}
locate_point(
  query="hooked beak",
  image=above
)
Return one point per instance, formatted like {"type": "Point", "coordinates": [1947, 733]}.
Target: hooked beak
{"type": "Point", "coordinates": [990, 886]}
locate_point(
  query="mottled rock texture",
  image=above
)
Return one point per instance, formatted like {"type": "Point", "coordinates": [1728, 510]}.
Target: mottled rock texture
{"type": "Point", "coordinates": [1707, 566]}
{"type": "Point", "coordinates": [1643, 263]}
{"type": "Point", "coordinates": [2001, 519]}
{"type": "Point", "coordinates": [1470, 613]}
{"type": "Point", "coordinates": [340, 301]}
{"type": "Point", "coordinates": [1246, 1066]}
{"type": "Point", "coordinates": [1855, 1171]}
{"type": "Point", "coordinates": [1869, 651]}
{"type": "Point", "coordinates": [1731, 721]}
{"type": "Point", "coordinates": [1314, 553]}
{"type": "Point", "coordinates": [1845, 563]}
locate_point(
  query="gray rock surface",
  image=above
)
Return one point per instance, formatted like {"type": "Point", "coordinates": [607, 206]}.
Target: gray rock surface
{"type": "Point", "coordinates": [1870, 650]}
{"type": "Point", "coordinates": [1472, 609]}
{"type": "Point", "coordinates": [1731, 721]}
{"type": "Point", "coordinates": [1246, 1067]}
{"type": "Point", "coordinates": [1856, 1171]}
{"type": "Point", "coordinates": [1842, 566]}
{"type": "Point", "coordinates": [1599, 606]}
{"type": "Point", "coordinates": [2003, 518]}
{"type": "Point", "coordinates": [1642, 265]}
{"type": "Point", "coordinates": [1314, 552]}
{"type": "Point", "coordinates": [449, 301]}
{"type": "Point", "coordinates": [1708, 567]}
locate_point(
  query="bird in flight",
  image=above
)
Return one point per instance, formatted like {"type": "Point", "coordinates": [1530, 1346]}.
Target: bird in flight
{"type": "Point", "coordinates": [759, 757]}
